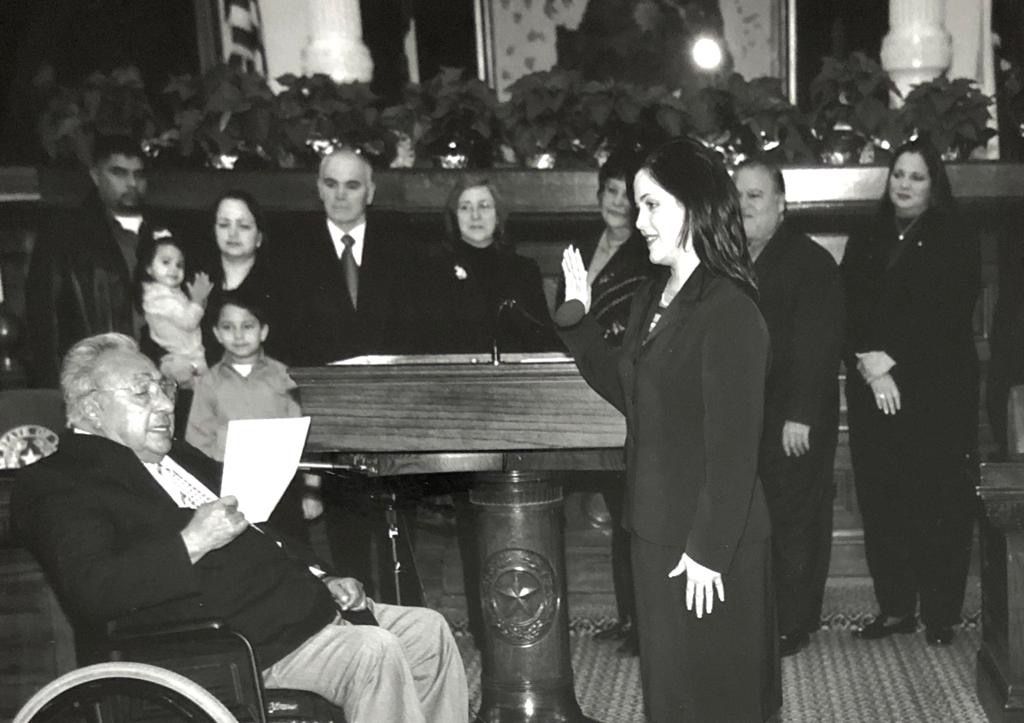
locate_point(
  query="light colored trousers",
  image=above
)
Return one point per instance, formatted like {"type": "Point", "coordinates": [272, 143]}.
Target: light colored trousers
{"type": "Point", "coordinates": [408, 670]}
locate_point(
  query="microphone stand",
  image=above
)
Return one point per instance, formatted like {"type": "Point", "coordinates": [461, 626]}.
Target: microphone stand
{"type": "Point", "coordinates": [499, 316]}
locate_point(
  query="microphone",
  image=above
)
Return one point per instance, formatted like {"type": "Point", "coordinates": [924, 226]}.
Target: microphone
{"type": "Point", "coordinates": [506, 305]}
{"type": "Point", "coordinates": [499, 314]}
{"type": "Point", "coordinates": [513, 304]}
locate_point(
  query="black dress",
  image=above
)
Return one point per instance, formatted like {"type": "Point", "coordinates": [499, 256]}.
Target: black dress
{"type": "Point", "coordinates": [914, 300]}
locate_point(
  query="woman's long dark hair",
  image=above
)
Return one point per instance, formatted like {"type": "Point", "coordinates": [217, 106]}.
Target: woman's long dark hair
{"type": "Point", "coordinates": [941, 196]}
{"type": "Point", "coordinates": [453, 237]}
{"type": "Point", "coordinates": [696, 177]}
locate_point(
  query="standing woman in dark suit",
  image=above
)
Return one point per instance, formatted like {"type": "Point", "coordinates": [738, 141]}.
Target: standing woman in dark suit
{"type": "Point", "coordinates": [912, 391]}
{"type": "Point", "coordinates": [481, 293]}
{"type": "Point", "coordinates": [690, 377]}
{"type": "Point", "coordinates": [617, 266]}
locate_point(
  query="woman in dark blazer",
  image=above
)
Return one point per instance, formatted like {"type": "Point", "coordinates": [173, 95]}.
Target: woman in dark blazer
{"type": "Point", "coordinates": [480, 293]}
{"type": "Point", "coordinates": [912, 390]}
{"type": "Point", "coordinates": [690, 377]}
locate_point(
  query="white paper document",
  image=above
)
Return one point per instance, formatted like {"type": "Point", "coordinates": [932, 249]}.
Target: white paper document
{"type": "Point", "coordinates": [260, 459]}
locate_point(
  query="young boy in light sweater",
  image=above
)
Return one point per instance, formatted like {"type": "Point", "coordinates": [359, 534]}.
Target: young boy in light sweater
{"type": "Point", "coordinates": [248, 384]}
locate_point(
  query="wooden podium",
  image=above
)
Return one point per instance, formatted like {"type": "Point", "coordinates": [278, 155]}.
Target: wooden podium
{"type": "Point", "coordinates": [516, 424]}
{"type": "Point", "coordinates": [1000, 674]}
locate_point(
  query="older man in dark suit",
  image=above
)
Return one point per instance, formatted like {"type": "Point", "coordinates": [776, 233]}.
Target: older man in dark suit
{"type": "Point", "coordinates": [352, 273]}
{"type": "Point", "coordinates": [128, 526]}
{"type": "Point", "coordinates": [802, 303]}
{"type": "Point", "coordinates": [353, 279]}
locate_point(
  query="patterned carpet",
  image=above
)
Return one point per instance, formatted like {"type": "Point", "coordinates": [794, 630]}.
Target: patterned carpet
{"type": "Point", "coordinates": [836, 678]}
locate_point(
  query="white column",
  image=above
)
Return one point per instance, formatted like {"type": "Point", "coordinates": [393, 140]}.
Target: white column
{"type": "Point", "coordinates": [336, 42]}
{"type": "Point", "coordinates": [917, 47]}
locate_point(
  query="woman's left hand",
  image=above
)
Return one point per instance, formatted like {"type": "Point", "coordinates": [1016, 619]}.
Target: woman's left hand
{"type": "Point", "coordinates": [887, 394]}
{"type": "Point", "coordinates": [701, 585]}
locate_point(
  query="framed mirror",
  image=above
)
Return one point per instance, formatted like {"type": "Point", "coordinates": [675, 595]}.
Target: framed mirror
{"type": "Point", "coordinates": [645, 41]}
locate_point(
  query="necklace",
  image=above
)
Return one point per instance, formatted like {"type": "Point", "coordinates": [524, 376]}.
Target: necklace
{"type": "Point", "coordinates": [903, 234]}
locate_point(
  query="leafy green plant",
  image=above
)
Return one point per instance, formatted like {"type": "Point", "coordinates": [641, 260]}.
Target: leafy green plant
{"type": "Point", "coordinates": [538, 117]}
{"type": "Point", "coordinates": [226, 116]}
{"type": "Point", "coordinates": [778, 127]}
{"type": "Point", "coordinates": [104, 104]}
{"type": "Point", "coordinates": [316, 114]}
{"type": "Point", "coordinates": [853, 92]}
{"type": "Point", "coordinates": [952, 114]}
{"type": "Point", "coordinates": [406, 121]}
{"type": "Point", "coordinates": [462, 112]}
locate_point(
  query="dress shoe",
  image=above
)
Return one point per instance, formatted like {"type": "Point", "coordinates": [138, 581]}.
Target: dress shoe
{"type": "Point", "coordinates": [939, 635]}
{"type": "Point", "coordinates": [879, 628]}
{"type": "Point", "coordinates": [793, 643]}
{"type": "Point", "coordinates": [618, 631]}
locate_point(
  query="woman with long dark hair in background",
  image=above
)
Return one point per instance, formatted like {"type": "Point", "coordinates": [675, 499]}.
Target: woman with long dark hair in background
{"type": "Point", "coordinates": [912, 278]}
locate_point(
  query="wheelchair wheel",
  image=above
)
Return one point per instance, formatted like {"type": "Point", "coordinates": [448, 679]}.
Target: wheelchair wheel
{"type": "Point", "coordinates": [122, 691]}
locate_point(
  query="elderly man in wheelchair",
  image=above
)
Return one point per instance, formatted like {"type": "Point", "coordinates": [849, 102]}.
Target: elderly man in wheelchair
{"type": "Point", "coordinates": [128, 527]}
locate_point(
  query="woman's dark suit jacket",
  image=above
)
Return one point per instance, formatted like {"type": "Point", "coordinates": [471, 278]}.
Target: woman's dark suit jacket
{"type": "Point", "coordinates": [916, 303]}
{"type": "Point", "coordinates": [692, 392]}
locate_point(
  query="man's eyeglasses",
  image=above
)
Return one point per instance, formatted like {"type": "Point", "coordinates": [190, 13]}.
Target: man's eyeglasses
{"type": "Point", "coordinates": [147, 390]}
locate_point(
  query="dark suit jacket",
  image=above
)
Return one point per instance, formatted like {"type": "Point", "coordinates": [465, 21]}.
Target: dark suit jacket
{"type": "Point", "coordinates": [801, 298]}
{"type": "Point", "coordinates": [692, 392]}
{"type": "Point", "coordinates": [78, 285]}
{"type": "Point", "coordinates": [323, 326]}
{"type": "Point", "coordinates": [107, 536]}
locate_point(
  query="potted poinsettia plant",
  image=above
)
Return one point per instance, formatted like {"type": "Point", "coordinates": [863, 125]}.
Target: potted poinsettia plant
{"type": "Point", "coordinates": [103, 104]}
{"type": "Point", "coordinates": [780, 131]}
{"type": "Point", "coordinates": [537, 118]}
{"type": "Point", "coordinates": [850, 107]}
{"type": "Point", "coordinates": [952, 114]}
{"type": "Point", "coordinates": [462, 120]}
{"type": "Point", "coordinates": [225, 117]}
{"type": "Point", "coordinates": [406, 121]}
{"type": "Point", "coordinates": [605, 115]}
{"type": "Point", "coordinates": [315, 114]}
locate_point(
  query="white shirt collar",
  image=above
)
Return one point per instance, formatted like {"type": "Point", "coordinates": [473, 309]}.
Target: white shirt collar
{"type": "Point", "coordinates": [179, 484]}
{"type": "Point", "coordinates": [358, 233]}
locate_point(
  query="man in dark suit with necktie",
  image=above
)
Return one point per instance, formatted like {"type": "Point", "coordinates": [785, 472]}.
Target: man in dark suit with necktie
{"type": "Point", "coordinates": [351, 272]}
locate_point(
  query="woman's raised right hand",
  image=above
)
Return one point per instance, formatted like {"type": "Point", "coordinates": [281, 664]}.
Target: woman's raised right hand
{"type": "Point", "coordinates": [576, 285]}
